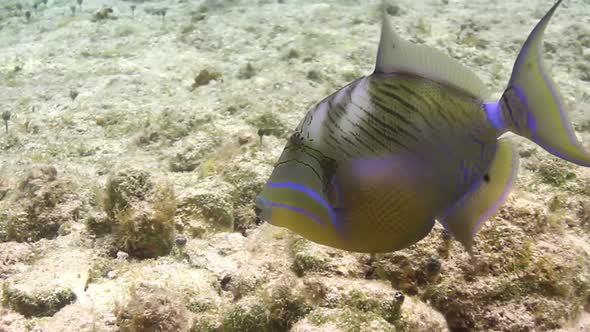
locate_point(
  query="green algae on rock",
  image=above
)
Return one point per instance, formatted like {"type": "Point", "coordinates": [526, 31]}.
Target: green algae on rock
{"type": "Point", "coordinates": [141, 209]}
{"type": "Point", "coordinates": [152, 309]}
{"type": "Point", "coordinates": [13, 258]}
{"type": "Point", "coordinates": [285, 305]}
{"type": "Point", "coordinates": [38, 206]}
{"type": "Point", "coordinates": [305, 259]}
{"type": "Point", "coordinates": [268, 123]}
{"type": "Point", "coordinates": [39, 291]}
{"type": "Point", "coordinates": [247, 315]}
{"type": "Point", "coordinates": [366, 305]}
{"type": "Point", "coordinates": [513, 282]}
{"type": "Point", "coordinates": [276, 308]}
{"type": "Point", "coordinates": [191, 153]}
{"type": "Point", "coordinates": [44, 303]}
{"type": "Point", "coordinates": [555, 171]}
{"type": "Point", "coordinates": [207, 208]}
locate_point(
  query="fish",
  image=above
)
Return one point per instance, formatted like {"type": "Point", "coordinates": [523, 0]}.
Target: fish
{"type": "Point", "coordinates": [373, 166]}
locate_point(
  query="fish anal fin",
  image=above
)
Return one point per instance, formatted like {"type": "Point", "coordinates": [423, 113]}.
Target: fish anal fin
{"type": "Point", "coordinates": [466, 216]}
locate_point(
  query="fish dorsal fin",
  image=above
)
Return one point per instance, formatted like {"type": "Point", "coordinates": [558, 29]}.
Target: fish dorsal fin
{"type": "Point", "coordinates": [396, 55]}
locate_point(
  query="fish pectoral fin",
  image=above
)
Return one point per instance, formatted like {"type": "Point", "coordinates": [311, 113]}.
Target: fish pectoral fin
{"type": "Point", "coordinates": [387, 203]}
{"type": "Point", "coordinates": [465, 217]}
{"type": "Point", "coordinates": [396, 55]}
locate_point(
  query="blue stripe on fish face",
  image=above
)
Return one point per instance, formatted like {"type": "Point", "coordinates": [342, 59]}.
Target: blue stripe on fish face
{"type": "Point", "coordinates": [264, 204]}
{"type": "Point", "coordinates": [308, 192]}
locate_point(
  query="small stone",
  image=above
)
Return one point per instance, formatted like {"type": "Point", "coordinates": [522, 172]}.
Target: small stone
{"type": "Point", "coordinates": [204, 77]}
{"type": "Point", "coordinates": [393, 10]}
{"type": "Point", "coordinates": [180, 240]}
{"type": "Point", "coordinates": [73, 93]}
{"type": "Point", "coordinates": [122, 256]}
{"type": "Point", "coordinates": [100, 120]}
{"type": "Point", "coordinates": [102, 14]}
{"type": "Point", "coordinates": [293, 54]}
{"type": "Point", "coordinates": [399, 297]}
{"type": "Point", "coordinates": [225, 282]}
{"type": "Point", "coordinates": [245, 138]}
{"type": "Point", "coordinates": [111, 274]}
{"type": "Point", "coordinates": [314, 75]}
{"type": "Point", "coordinates": [247, 72]}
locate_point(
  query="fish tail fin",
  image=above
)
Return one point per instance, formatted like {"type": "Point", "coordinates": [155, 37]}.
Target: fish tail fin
{"type": "Point", "coordinates": [531, 105]}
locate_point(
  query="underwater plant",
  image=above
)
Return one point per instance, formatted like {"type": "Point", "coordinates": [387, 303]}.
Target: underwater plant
{"type": "Point", "coordinates": [268, 123]}
{"type": "Point", "coordinates": [162, 12]}
{"type": "Point", "coordinates": [6, 117]}
{"type": "Point", "coordinates": [204, 77]}
{"type": "Point", "coordinates": [73, 94]}
{"type": "Point", "coordinates": [247, 72]}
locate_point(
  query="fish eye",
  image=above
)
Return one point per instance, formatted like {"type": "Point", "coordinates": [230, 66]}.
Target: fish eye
{"type": "Point", "coordinates": [486, 178]}
{"type": "Point", "coordinates": [296, 139]}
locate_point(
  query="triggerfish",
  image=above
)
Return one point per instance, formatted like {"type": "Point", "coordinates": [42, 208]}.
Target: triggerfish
{"type": "Point", "coordinates": [372, 166]}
